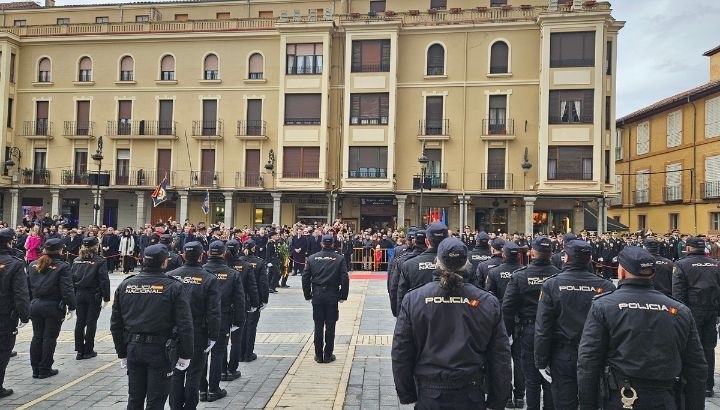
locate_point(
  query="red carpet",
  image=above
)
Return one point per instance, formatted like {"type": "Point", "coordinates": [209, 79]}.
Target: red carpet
{"type": "Point", "coordinates": [361, 275]}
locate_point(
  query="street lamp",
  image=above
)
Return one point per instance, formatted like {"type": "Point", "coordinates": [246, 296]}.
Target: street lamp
{"type": "Point", "coordinates": [423, 160]}
{"type": "Point", "coordinates": [98, 156]}
{"type": "Point", "coordinates": [13, 152]}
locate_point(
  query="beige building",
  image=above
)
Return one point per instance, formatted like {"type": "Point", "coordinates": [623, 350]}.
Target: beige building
{"type": "Point", "coordinates": [668, 161]}
{"type": "Point", "coordinates": [311, 110]}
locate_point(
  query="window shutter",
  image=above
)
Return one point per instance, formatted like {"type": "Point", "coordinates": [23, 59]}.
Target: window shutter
{"type": "Point", "coordinates": [436, 60]}
{"type": "Point", "coordinates": [256, 63]}
{"type": "Point", "coordinates": [85, 63]}
{"type": "Point", "coordinates": [712, 117]}
{"type": "Point", "coordinates": [252, 162]}
{"type": "Point", "coordinates": [207, 162]}
{"type": "Point", "coordinates": [371, 54]}
{"type": "Point", "coordinates": [385, 55]}
{"type": "Point", "coordinates": [384, 108]}
{"type": "Point", "coordinates": [499, 57]}
{"type": "Point", "coordinates": [42, 108]}
{"type": "Point", "coordinates": [433, 108]}
{"type": "Point", "coordinates": [124, 109]}
{"type": "Point", "coordinates": [310, 162]}
{"type": "Point", "coordinates": [674, 129]}
{"type": "Point", "coordinates": [302, 106]}
{"type": "Point", "coordinates": [164, 159]}
{"type": "Point", "coordinates": [166, 112]}
{"type": "Point", "coordinates": [712, 169]}
{"type": "Point", "coordinates": [291, 162]}
{"type": "Point", "coordinates": [673, 174]}
{"type": "Point", "coordinates": [643, 138]}
{"type": "Point", "coordinates": [123, 154]}
{"type": "Point", "coordinates": [354, 158]}
{"type": "Point", "coordinates": [641, 179]}
{"type": "Point", "coordinates": [209, 112]}
{"type": "Point", "coordinates": [211, 62]}
{"type": "Point", "coordinates": [167, 64]}
{"type": "Point", "coordinates": [356, 54]}
{"type": "Point", "coordinates": [44, 64]}
{"type": "Point", "coordinates": [354, 108]}
{"type": "Point", "coordinates": [254, 110]}
{"type": "Point", "coordinates": [83, 114]}
{"type": "Point", "coordinates": [126, 64]}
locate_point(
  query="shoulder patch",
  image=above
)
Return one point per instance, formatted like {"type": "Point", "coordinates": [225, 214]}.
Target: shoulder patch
{"type": "Point", "coordinates": [603, 294]}
{"type": "Point", "coordinates": [519, 270]}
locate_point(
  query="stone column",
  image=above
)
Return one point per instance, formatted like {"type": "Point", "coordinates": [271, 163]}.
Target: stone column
{"type": "Point", "coordinates": [228, 209]}
{"type": "Point", "coordinates": [401, 209]}
{"type": "Point", "coordinates": [529, 209]}
{"type": "Point", "coordinates": [462, 199]}
{"type": "Point", "coordinates": [276, 196]}
{"type": "Point", "coordinates": [140, 213]}
{"type": "Point", "coordinates": [14, 208]}
{"type": "Point", "coordinates": [55, 202]}
{"type": "Point", "coordinates": [602, 215]}
{"type": "Point", "coordinates": [332, 207]}
{"type": "Point", "coordinates": [578, 221]}
{"type": "Point", "coordinates": [183, 193]}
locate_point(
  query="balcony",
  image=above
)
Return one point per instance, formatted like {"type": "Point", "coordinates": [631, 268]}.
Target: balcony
{"type": "Point", "coordinates": [492, 181]}
{"type": "Point", "coordinates": [301, 175]}
{"type": "Point", "coordinates": [141, 177]}
{"type": "Point", "coordinates": [498, 127]}
{"type": "Point", "coordinates": [141, 128]}
{"type": "Point", "coordinates": [710, 189]}
{"type": "Point", "coordinates": [74, 177]}
{"type": "Point", "coordinates": [205, 178]}
{"type": "Point", "coordinates": [437, 181]}
{"type": "Point", "coordinates": [383, 67]}
{"type": "Point", "coordinates": [569, 176]}
{"type": "Point", "coordinates": [35, 176]}
{"type": "Point", "coordinates": [40, 129]}
{"type": "Point", "coordinates": [253, 129]}
{"type": "Point", "coordinates": [581, 119]}
{"type": "Point", "coordinates": [78, 128]}
{"type": "Point", "coordinates": [367, 173]}
{"type": "Point", "coordinates": [302, 121]}
{"type": "Point", "coordinates": [672, 193]}
{"type": "Point", "coordinates": [383, 120]}
{"type": "Point", "coordinates": [248, 180]}
{"type": "Point", "coordinates": [641, 196]}
{"type": "Point", "coordinates": [434, 129]}
{"type": "Point", "coordinates": [211, 129]}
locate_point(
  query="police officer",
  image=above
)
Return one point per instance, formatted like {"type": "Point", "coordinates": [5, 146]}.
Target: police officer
{"type": "Point", "coordinates": [202, 289]}
{"type": "Point", "coordinates": [418, 247]}
{"type": "Point", "coordinates": [496, 258]}
{"type": "Point", "coordinates": [245, 351]}
{"type": "Point", "coordinates": [643, 368]}
{"type": "Point", "coordinates": [520, 306]}
{"type": "Point", "coordinates": [52, 293]}
{"type": "Point", "coordinates": [696, 283]}
{"type": "Point", "coordinates": [557, 258]}
{"type": "Point", "coordinates": [273, 261]}
{"type": "Point", "coordinates": [420, 269]}
{"type": "Point", "coordinates": [325, 282]}
{"type": "Point", "coordinates": [480, 252]}
{"type": "Point", "coordinates": [14, 301]}
{"type": "Point", "coordinates": [232, 314]}
{"type": "Point", "coordinates": [662, 278]}
{"type": "Point", "coordinates": [564, 303]}
{"type": "Point", "coordinates": [146, 308]}
{"type": "Point", "coordinates": [92, 291]}
{"type": "Point", "coordinates": [174, 259]}
{"type": "Point", "coordinates": [450, 341]}
{"type": "Point", "coordinates": [398, 252]}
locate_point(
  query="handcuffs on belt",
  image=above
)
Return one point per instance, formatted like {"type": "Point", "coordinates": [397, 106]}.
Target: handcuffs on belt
{"type": "Point", "coordinates": [628, 401]}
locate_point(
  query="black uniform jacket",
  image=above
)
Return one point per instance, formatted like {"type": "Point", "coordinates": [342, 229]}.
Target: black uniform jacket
{"type": "Point", "coordinates": [246, 273]}
{"type": "Point", "coordinates": [643, 334]}
{"type": "Point", "coordinates": [696, 282]}
{"type": "Point", "coordinates": [325, 279]}
{"type": "Point", "coordinates": [14, 295]}
{"type": "Point", "coordinates": [151, 304]}
{"type": "Point", "coordinates": [232, 293]}
{"type": "Point", "coordinates": [499, 277]}
{"type": "Point", "coordinates": [416, 271]}
{"type": "Point", "coordinates": [483, 268]}
{"type": "Point", "coordinates": [261, 277]}
{"type": "Point", "coordinates": [523, 291]}
{"type": "Point", "coordinates": [445, 337]}
{"type": "Point", "coordinates": [54, 283]}
{"type": "Point", "coordinates": [478, 255]}
{"type": "Point", "coordinates": [662, 279]}
{"type": "Point", "coordinates": [91, 275]}
{"type": "Point", "coordinates": [204, 293]}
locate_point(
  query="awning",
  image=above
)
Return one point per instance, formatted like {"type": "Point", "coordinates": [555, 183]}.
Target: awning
{"type": "Point", "coordinates": [612, 224]}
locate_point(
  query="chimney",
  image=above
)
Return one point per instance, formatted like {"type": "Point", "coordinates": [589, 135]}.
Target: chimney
{"type": "Point", "coordinates": [714, 55]}
{"type": "Point", "coordinates": [49, 3]}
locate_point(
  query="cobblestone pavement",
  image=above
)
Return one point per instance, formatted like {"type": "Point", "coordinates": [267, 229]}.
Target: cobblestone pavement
{"type": "Point", "coordinates": [284, 376]}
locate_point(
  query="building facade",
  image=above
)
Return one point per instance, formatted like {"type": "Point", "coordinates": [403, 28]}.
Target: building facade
{"type": "Point", "coordinates": [282, 111]}
{"type": "Point", "coordinates": [668, 161]}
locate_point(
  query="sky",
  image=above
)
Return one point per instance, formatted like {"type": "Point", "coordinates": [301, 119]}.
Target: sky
{"type": "Point", "coordinates": [659, 49]}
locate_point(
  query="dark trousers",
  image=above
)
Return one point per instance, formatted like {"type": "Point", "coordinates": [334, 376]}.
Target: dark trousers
{"type": "Point", "coordinates": [325, 315]}
{"type": "Point", "coordinates": [88, 311]}
{"type": "Point", "coordinates": [563, 366]}
{"type": "Point", "coordinates": [184, 392]}
{"type": "Point", "coordinates": [7, 342]}
{"type": "Point", "coordinates": [247, 337]}
{"type": "Point", "coordinates": [274, 275]}
{"type": "Point", "coordinates": [217, 358]}
{"type": "Point", "coordinates": [518, 375]}
{"type": "Point", "coordinates": [706, 322]}
{"type": "Point", "coordinates": [470, 397]}
{"type": "Point", "coordinates": [647, 399]}
{"type": "Point", "coordinates": [46, 322]}
{"type": "Point", "coordinates": [128, 263]}
{"type": "Point", "coordinates": [149, 371]}
{"type": "Point", "coordinates": [533, 380]}
{"type": "Point", "coordinates": [234, 358]}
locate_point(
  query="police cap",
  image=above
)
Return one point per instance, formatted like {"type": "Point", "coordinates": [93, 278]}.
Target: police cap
{"type": "Point", "coordinates": [436, 231]}
{"type": "Point", "coordinates": [420, 236]}
{"type": "Point", "coordinates": [166, 239]}
{"type": "Point", "coordinates": [155, 254]}
{"type": "Point", "coordinates": [452, 253]}
{"type": "Point", "coordinates": [651, 244]}
{"type": "Point", "coordinates": [577, 248]}
{"type": "Point", "coordinates": [217, 248]}
{"type": "Point", "coordinates": [695, 242]}
{"type": "Point", "coordinates": [90, 241]}
{"type": "Point", "coordinates": [232, 245]}
{"type": "Point", "coordinates": [511, 249]}
{"type": "Point", "coordinates": [6, 235]}
{"type": "Point", "coordinates": [411, 233]}
{"type": "Point", "coordinates": [569, 237]}
{"type": "Point", "coordinates": [214, 228]}
{"type": "Point", "coordinates": [498, 243]}
{"type": "Point", "coordinates": [272, 233]}
{"type": "Point", "coordinates": [328, 240]}
{"type": "Point", "coordinates": [54, 244]}
{"type": "Point", "coordinates": [193, 248]}
{"type": "Point", "coordinates": [541, 243]}
{"type": "Point", "coordinates": [249, 244]}
{"type": "Point", "coordinates": [482, 238]}
{"type": "Point", "coordinates": [637, 261]}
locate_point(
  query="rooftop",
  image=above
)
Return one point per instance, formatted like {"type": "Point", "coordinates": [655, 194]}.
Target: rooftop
{"type": "Point", "coordinates": [712, 51]}
{"type": "Point", "coordinates": [671, 102]}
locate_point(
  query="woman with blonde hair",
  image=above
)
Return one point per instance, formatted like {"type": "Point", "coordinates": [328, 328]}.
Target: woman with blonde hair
{"type": "Point", "coordinates": [33, 244]}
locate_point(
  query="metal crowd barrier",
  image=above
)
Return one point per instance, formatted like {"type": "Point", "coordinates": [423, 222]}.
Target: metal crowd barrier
{"type": "Point", "coordinates": [370, 258]}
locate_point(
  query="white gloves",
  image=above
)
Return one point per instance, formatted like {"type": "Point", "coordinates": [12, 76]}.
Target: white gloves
{"type": "Point", "coordinates": [70, 315]}
{"type": "Point", "coordinates": [252, 309]}
{"type": "Point", "coordinates": [104, 304]}
{"type": "Point", "coordinates": [211, 343]}
{"type": "Point", "coordinates": [601, 259]}
{"type": "Point", "coordinates": [341, 301]}
{"type": "Point", "coordinates": [233, 328]}
{"type": "Point", "coordinates": [545, 373]}
{"type": "Point", "coordinates": [21, 325]}
{"type": "Point", "coordinates": [269, 265]}
{"type": "Point", "coordinates": [123, 363]}
{"type": "Point", "coordinates": [263, 306]}
{"type": "Point", "coordinates": [511, 340]}
{"type": "Point", "coordinates": [182, 364]}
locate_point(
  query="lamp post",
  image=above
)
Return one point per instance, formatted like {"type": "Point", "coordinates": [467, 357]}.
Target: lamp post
{"type": "Point", "coordinates": [423, 160]}
{"type": "Point", "coordinates": [97, 156]}
{"type": "Point", "coordinates": [14, 152]}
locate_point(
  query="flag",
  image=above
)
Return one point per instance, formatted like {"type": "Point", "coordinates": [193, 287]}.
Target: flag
{"type": "Point", "coordinates": [206, 202]}
{"type": "Point", "coordinates": [160, 194]}
{"type": "Point", "coordinates": [443, 218]}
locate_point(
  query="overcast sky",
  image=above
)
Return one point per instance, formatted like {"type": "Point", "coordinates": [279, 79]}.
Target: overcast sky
{"type": "Point", "coordinates": [659, 51]}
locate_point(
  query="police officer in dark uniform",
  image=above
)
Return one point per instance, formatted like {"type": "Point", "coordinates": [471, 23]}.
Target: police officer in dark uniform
{"type": "Point", "coordinates": [273, 261]}
{"type": "Point", "coordinates": [662, 278]}
{"type": "Point", "coordinates": [201, 287]}
{"type": "Point", "coordinates": [259, 271]}
{"type": "Point", "coordinates": [643, 369]}
{"type": "Point", "coordinates": [325, 282]}
{"type": "Point", "coordinates": [496, 258]}
{"type": "Point", "coordinates": [92, 291]}
{"type": "Point", "coordinates": [557, 258]}
{"type": "Point", "coordinates": [565, 300]}
{"type": "Point", "coordinates": [174, 259]}
{"type": "Point", "coordinates": [14, 301]}
{"type": "Point", "coordinates": [468, 237]}
{"type": "Point", "coordinates": [696, 283]}
{"type": "Point", "coordinates": [520, 306]}
{"type": "Point", "coordinates": [232, 313]}
{"type": "Point", "coordinates": [52, 293]}
{"type": "Point", "coordinates": [146, 309]}
{"type": "Point", "coordinates": [398, 252]}
{"type": "Point", "coordinates": [480, 252]}
{"type": "Point", "coordinates": [418, 247]}
{"type": "Point", "coordinates": [450, 341]}
{"type": "Point", "coordinates": [420, 269]}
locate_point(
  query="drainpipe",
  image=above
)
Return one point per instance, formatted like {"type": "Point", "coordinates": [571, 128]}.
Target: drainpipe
{"type": "Point", "coordinates": [693, 174]}
{"type": "Point", "coordinates": [463, 206]}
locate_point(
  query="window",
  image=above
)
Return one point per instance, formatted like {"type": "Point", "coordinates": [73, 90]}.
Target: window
{"type": "Point", "coordinates": [497, 114]}
{"type": "Point", "coordinates": [370, 56]}
{"type": "Point", "coordinates": [210, 120]}
{"type": "Point", "coordinates": [673, 182]}
{"type": "Point", "coordinates": [377, 5]}
{"type": "Point", "coordinates": [164, 161]}
{"type": "Point", "coordinates": [434, 110]}
{"type": "Point", "coordinates": [642, 186]}
{"type": "Point", "coordinates": [570, 162]}
{"type": "Point", "coordinates": [20, 23]}
{"type": "Point", "coordinates": [222, 16]}
{"type": "Point", "coordinates": [438, 4]}
{"type": "Point", "coordinates": [304, 58]}
{"type": "Point", "coordinates": [607, 113]}
{"type": "Point", "coordinates": [167, 68]}
{"type": "Point", "coordinates": [80, 166]}
{"type": "Point", "coordinates": [166, 125]}
{"type": "Point", "coordinates": [44, 70]}
{"type": "Point", "coordinates": [253, 116]}
{"type": "Point", "coordinates": [301, 162]}
{"type": "Point", "coordinates": [642, 221]}
{"type": "Point", "coordinates": [712, 177]}
{"type": "Point", "coordinates": [608, 57]}
{"type": "Point", "coordinates": [674, 129]}
{"type": "Point", "coordinates": [142, 18]}
{"type": "Point", "coordinates": [42, 109]}
{"type": "Point", "coordinates": [85, 70]}
{"type": "Point", "coordinates": [9, 113]}
{"type": "Point", "coordinates": [435, 60]}
{"type": "Point", "coordinates": [367, 162]}
{"type": "Point", "coordinates": [102, 20]}
{"type": "Point", "coordinates": [265, 14]}
{"type": "Point", "coordinates": [302, 109]}
{"type": "Point", "coordinates": [499, 57]}
{"type": "Point", "coordinates": [82, 117]}
{"type": "Point", "coordinates": [571, 107]}
{"type": "Point", "coordinates": [122, 167]}
{"type": "Point", "coordinates": [712, 117]}
{"type": "Point", "coordinates": [12, 68]}
{"type": "Point", "coordinates": [207, 167]}
{"type": "Point", "coordinates": [252, 168]}
{"type": "Point", "coordinates": [715, 221]}
{"type": "Point", "coordinates": [124, 117]}
{"type": "Point", "coordinates": [127, 69]}
{"type": "Point", "coordinates": [643, 138]}
{"type": "Point", "coordinates": [211, 67]}
{"type": "Point", "coordinates": [369, 109]}
{"type": "Point", "coordinates": [63, 20]}
{"type": "Point", "coordinates": [618, 144]}
{"type": "Point", "coordinates": [181, 17]}
{"type": "Point", "coordinates": [673, 221]}
{"type": "Point", "coordinates": [574, 49]}
{"type": "Point", "coordinates": [255, 67]}
{"type": "Point", "coordinates": [495, 178]}
{"type": "Point", "coordinates": [40, 173]}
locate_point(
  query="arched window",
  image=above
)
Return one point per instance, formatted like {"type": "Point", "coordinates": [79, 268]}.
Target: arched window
{"type": "Point", "coordinates": [255, 67]}
{"type": "Point", "coordinates": [167, 68]}
{"type": "Point", "coordinates": [499, 58]}
{"type": "Point", "coordinates": [85, 72]}
{"type": "Point", "coordinates": [127, 68]}
{"type": "Point", "coordinates": [211, 67]}
{"type": "Point", "coordinates": [44, 70]}
{"type": "Point", "coordinates": [436, 60]}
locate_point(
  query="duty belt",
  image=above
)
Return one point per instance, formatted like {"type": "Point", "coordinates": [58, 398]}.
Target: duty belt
{"type": "Point", "coordinates": [147, 339]}
{"type": "Point", "coordinates": [524, 322]}
{"type": "Point", "coordinates": [449, 384]}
